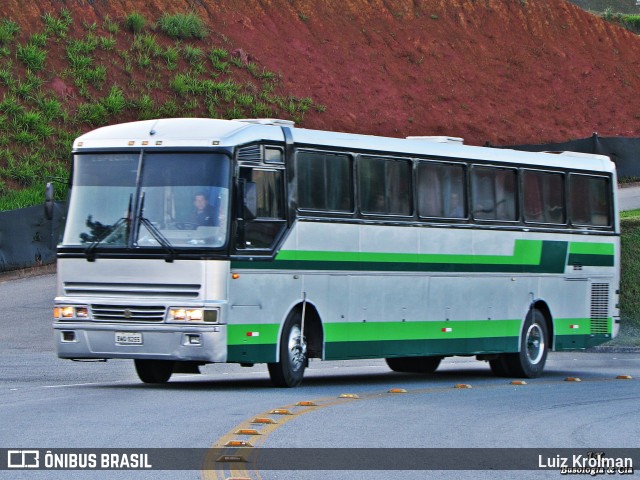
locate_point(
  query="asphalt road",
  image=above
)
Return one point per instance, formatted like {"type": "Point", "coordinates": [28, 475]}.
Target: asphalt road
{"type": "Point", "coordinates": [48, 403]}
{"type": "Point", "coordinates": [628, 198]}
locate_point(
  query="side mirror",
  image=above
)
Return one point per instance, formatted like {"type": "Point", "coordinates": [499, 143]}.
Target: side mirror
{"type": "Point", "coordinates": [49, 201]}
{"type": "Point", "coordinates": [249, 199]}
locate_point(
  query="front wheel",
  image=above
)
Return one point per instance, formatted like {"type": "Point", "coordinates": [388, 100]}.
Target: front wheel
{"type": "Point", "coordinates": [154, 371]}
{"type": "Point", "coordinates": [288, 372]}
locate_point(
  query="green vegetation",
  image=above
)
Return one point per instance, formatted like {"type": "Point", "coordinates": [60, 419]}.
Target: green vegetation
{"type": "Point", "coordinates": [8, 30]}
{"type": "Point", "coordinates": [623, 12]}
{"type": "Point", "coordinates": [628, 21]}
{"type": "Point", "coordinates": [182, 26]}
{"type": "Point", "coordinates": [629, 285]}
{"type": "Point", "coordinates": [57, 26]}
{"type": "Point", "coordinates": [600, 6]}
{"type": "Point", "coordinates": [57, 82]}
{"type": "Point", "coordinates": [32, 56]}
{"type": "Point", "coordinates": [135, 22]}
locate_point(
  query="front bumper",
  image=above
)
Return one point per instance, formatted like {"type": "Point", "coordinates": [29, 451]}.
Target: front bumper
{"type": "Point", "coordinates": [84, 340]}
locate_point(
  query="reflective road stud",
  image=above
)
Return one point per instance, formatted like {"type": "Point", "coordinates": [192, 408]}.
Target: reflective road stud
{"type": "Point", "coordinates": [281, 411]}
{"type": "Point", "coordinates": [238, 443]}
{"type": "Point", "coordinates": [263, 420]}
{"type": "Point", "coordinates": [397, 390]}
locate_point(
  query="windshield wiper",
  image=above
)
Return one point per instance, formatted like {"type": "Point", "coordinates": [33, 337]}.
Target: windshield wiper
{"type": "Point", "coordinates": [157, 234]}
{"type": "Point", "coordinates": [90, 251]}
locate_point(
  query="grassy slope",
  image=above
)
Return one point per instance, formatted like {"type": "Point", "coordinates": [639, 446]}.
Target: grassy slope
{"type": "Point", "coordinates": [65, 77]}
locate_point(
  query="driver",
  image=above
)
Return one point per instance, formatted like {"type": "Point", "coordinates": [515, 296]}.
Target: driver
{"type": "Point", "coordinates": [204, 213]}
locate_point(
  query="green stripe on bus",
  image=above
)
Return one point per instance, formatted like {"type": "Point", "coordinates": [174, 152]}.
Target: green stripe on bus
{"type": "Point", "coordinates": [583, 326]}
{"type": "Point", "coordinates": [253, 334]}
{"type": "Point", "coordinates": [345, 340]}
{"type": "Point", "coordinates": [579, 342]}
{"type": "Point", "coordinates": [529, 256]}
{"type": "Point", "coordinates": [590, 248]}
{"type": "Point", "coordinates": [525, 252]}
{"type": "Point", "coordinates": [408, 348]}
{"type": "Point", "coordinates": [419, 330]}
{"type": "Point", "coordinates": [591, 254]}
{"type": "Point", "coordinates": [591, 260]}
{"type": "Point", "coordinates": [261, 334]}
{"type": "Point", "coordinates": [251, 353]}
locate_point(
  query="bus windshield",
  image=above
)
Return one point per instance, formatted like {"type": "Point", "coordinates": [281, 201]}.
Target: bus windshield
{"type": "Point", "coordinates": [152, 200]}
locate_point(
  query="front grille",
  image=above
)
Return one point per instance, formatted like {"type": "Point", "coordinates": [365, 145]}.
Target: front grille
{"type": "Point", "coordinates": [600, 308]}
{"type": "Point", "coordinates": [120, 313]}
{"type": "Point", "coordinates": [130, 290]}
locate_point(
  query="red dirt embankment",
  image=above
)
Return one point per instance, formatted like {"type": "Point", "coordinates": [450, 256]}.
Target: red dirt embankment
{"type": "Point", "coordinates": [507, 71]}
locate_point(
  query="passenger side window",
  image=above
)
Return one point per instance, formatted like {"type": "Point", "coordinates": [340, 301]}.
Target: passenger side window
{"type": "Point", "coordinates": [441, 190]}
{"type": "Point", "coordinates": [543, 197]}
{"type": "Point", "coordinates": [494, 193]}
{"type": "Point", "coordinates": [324, 182]}
{"type": "Point", "coordinates": [589, 200]}
{"type": "Point", "coordinates": [385, 186]}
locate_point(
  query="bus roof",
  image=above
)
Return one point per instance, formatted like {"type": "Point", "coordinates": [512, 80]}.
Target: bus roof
{"type": "Point", "coordinates": [205, 132]}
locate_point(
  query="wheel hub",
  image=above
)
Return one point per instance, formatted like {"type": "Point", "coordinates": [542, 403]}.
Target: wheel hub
{"type": "Point", "coordinates": [535, 344]}
{"type": "Point", "coordinates": [297, 348]}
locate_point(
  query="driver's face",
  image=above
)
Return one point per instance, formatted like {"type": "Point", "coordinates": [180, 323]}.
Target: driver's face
{"type": "Point", "coordinates": [200, 202]}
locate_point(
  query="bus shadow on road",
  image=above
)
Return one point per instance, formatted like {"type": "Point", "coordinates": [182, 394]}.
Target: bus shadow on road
{"type": "Point", "coordinates": [448, 377]}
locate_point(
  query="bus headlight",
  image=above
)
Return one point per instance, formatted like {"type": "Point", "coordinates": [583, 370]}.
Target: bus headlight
{"type": "Point", "coordinates": [67, 312]}
{"type": "Point", "coordinates": [177, 314]}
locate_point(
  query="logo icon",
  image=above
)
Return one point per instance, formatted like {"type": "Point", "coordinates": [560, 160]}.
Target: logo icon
{"type": "Point", "coordinates": [23, 459]}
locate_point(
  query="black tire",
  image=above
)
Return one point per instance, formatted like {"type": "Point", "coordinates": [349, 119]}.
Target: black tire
{"type": "Point", "coordinates": [414, 364]}
{"type": "Point", "coordinates": [154, 371]}
{"type": "Point", "coordinates": [288, 372]}
{"type": "Point", "coordinates": [534, 346]}
{"type": "Point", "coordinates": [500, 367]}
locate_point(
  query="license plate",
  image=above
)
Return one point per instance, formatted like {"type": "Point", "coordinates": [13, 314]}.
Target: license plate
{"type": "Point", "coordinates": [128, 338]}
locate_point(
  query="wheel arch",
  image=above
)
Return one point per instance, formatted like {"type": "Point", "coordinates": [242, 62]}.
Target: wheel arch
{"type": "Point", "coordinates": [313, 328]}
{"type": "Point", "coordinates": [544, 309]}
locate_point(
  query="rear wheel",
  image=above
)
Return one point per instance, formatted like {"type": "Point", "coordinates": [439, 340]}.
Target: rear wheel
{"type": "Point", "coordinates": [288, 372]}
{"type": "Point", "coordinates": [414, 364]}
{"type": "Point", "coordinates": [529, 361]}
{"type": "Point", "coordinates": [154, 371]}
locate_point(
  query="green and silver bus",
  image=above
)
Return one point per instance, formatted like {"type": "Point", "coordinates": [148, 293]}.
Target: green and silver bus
{"type": "Point", "coordinates": [330, 245]}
